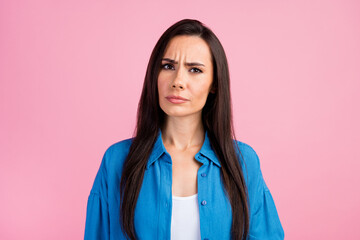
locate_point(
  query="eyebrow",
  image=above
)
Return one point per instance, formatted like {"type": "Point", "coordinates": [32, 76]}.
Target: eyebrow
{"type": "Point", "coordinates": [187, 64]}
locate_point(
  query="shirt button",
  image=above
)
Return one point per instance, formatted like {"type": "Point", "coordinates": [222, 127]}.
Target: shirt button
{"type": "Point", "coordinates": [203, 203]}
{"type": "Point", "coordinates": [203, 174]}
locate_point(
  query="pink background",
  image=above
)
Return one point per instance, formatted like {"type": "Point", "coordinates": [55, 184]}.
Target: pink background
{"type": "Point", "coordinates": [71, 74]}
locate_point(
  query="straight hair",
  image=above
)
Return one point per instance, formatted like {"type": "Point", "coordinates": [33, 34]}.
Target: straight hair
{"type": "Point", "coordinates": [217, 121]}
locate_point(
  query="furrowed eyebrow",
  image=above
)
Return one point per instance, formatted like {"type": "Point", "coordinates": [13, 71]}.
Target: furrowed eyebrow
{"type": "Point", "coordinates": [187, 64]}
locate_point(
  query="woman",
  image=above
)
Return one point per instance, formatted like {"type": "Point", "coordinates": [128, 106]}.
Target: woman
{"type": "Point", "coordinates": [182, 176]}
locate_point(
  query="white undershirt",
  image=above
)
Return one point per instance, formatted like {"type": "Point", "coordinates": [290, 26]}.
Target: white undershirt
{"type": "Point", "coordinates": [185, 220]}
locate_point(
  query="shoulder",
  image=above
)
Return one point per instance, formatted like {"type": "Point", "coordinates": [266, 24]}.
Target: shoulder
{"type": "Point", "coordinates": [247, 155]}
{"type": "Point", "coordinates": [248, 159]}
{"type": "Point", "coordinates": [111, 166]}
{"type": "Point", "coordinates": [116, 154]}
{"type": "Point", "coordinates": [119, 148]}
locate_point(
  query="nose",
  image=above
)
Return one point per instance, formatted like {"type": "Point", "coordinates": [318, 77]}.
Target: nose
{"type": "Point", "coordinates": [178, 82]}
{"type": "Point", "coordinates": [177, 85]}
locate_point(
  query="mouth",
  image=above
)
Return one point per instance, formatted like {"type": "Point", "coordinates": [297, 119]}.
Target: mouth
{"type": "Point", "coordinates": [176, 99]}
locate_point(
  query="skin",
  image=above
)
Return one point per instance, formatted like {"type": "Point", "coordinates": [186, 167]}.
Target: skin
{"type": "Point", "coordinates": [183, 132]}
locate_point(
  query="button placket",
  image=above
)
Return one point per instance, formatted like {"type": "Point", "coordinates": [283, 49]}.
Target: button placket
{"type": "Point", "coordinates": [202, 195]}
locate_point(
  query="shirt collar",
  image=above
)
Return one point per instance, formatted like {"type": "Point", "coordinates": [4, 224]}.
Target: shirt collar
{"type": "Point", "coordinates": [159, 149]}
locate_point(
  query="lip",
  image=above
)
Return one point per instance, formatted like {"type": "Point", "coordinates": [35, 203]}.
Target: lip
{"type": "Point", "coordinates": [176, 99]}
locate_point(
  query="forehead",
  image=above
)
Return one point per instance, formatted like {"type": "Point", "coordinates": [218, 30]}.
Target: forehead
{"type": "Point", "coordinates": [188, 47]}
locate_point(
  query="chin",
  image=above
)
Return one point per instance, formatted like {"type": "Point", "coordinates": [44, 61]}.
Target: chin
{"type": "Point", "coordinates": [180, 113]}
{"type": "Point", "coordinates": [176, 113]}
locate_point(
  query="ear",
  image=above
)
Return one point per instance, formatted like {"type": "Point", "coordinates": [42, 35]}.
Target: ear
{"type": "Point", "coordinates": [212, 90]}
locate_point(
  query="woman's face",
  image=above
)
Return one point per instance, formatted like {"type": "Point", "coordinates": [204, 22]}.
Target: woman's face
{"type": "Point", "coordinates": [185, 77]}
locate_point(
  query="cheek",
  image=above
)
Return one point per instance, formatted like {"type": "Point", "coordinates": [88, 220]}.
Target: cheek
{"type": "Point", "coordinates": [201, 90]}
{"type": "Point", "coordinates": [161, 86]}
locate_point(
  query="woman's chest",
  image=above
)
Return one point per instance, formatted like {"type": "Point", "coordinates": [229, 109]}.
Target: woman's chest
{"type": "Point", "coordinates": [184, 174]}
{"type": "Point", "coordinates": [154, 205]}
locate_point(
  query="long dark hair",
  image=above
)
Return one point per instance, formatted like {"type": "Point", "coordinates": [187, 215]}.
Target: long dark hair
{"type": "Point", "coordinates": [216, 118]}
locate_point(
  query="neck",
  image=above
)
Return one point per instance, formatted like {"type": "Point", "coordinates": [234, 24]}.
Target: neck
{"type": "Point", "coordinates": [183, 132]}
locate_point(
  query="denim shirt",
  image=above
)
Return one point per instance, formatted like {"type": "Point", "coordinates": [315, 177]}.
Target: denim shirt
{"type": "Point", "coordinates": [152, 218]}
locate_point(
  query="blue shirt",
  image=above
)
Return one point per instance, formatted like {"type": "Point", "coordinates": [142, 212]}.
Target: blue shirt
{"type": "Point", "coordinates": [153, 209]}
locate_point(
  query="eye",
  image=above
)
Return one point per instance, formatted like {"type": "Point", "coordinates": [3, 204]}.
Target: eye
{"type": "Point", "coordinates": [195, 70]}
{"type": "Point", "coordinates": [167, 66]}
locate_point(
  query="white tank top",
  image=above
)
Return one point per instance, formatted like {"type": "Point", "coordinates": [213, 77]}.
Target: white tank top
{"type": "Point", "coordinates": [185, 220]}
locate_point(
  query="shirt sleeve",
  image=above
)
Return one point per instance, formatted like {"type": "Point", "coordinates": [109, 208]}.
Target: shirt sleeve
{"type": "Point", "coordinates": [264, 220]}
{"type": "Point", "coordinates": [97, 225]}
{"type": "Point", "coordinates": [97, 218]}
